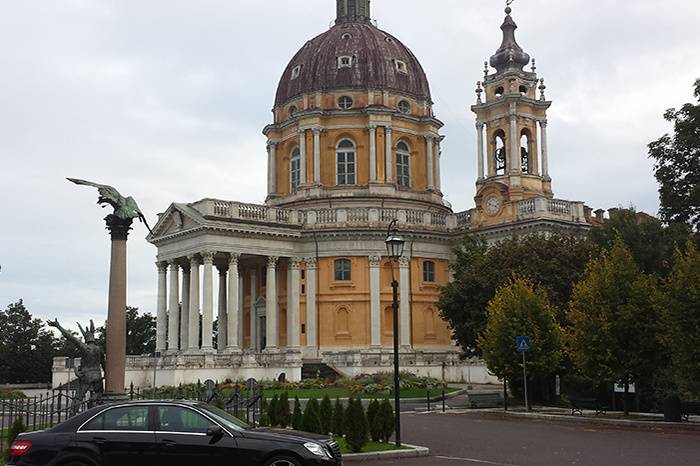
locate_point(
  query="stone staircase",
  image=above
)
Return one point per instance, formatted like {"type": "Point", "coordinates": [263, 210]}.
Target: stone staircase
{"type": "Point", "coordinates": [314, 368]}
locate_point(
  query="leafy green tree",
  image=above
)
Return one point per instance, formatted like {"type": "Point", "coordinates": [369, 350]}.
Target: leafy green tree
{"type": "Point", "coordinates": [386, 416]}
{"type": "Point", "coordinates": [272, 411]}
{"type": "Point", "coordinates": [312, 417]}
{"type": "Point", "coordinates": [677, 165]}
{"type": "Point", "coordinates": [338, 418]}
{"type": "Point", "coordinates": [614, 320]}
{"type": "Point", "coordinates": [681, 319]}
{"type": "Point", "coordinates": [651, 243]}
{"type": "Point", "coordinates": [283, 415]}
{"type": "Point", "coordinates": [140, 332]}
{"type": "Point", "coordinates": [554, 263]}
{"type": "Point", "coordinates": [26, 347]}
{"type": "Point", "coordinates": [297, 415]}
{"type": "Point", "coordinates": [326, 415]}
{"type": "Point", "coordinates": [356, 425]}
{"type": "Point", "coordinates": [520, 308]}
{"type": "Point", "coordinates": [374, 421]}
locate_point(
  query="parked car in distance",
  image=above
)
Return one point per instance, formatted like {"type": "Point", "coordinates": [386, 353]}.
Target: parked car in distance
{"type": "Point", "coordinates": [168, 433]}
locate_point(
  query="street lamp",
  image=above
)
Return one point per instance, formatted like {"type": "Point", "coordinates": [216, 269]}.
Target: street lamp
{"type": "Point", "coordinates": [394, 248]}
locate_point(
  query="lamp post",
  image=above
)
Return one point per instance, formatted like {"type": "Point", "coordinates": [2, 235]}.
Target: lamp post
{"type": "Point", "coordinates": [394, 248]}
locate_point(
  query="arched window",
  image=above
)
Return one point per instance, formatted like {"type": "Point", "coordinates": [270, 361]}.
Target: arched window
{"type": "Point", "coordinates": [500, 154]}
{"type": "Point", "coordinates": [525, 164]}
{"type": "Point", "coordinates": [429, 271]}
{"type": "Point", "coordinates": [295, 169]}
{"type": "Point", "coordinates": [343, 270]}
{"type": "Point", "coordinates": [403, 167]}
{"type": "Point", "coordinates": [345, 162]}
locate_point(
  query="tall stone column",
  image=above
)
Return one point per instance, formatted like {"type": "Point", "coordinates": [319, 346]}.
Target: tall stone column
{"type": "Point", "coordinates": [115, 348]}
{"type": "Point", "coordinates": [271, 169]}
{"type": "Point", "coordinates": [311, 313]}
{"type": "Point", "coordinates": [373, 154]}
{"type": "Point", "coordinates": [174, 308]}
{"type": "Point", "coordinates": [405, 301]}
{"type": "Point", "coordinates": [241, 311]}
{"type": "Point", "coordinates": [185, 309]}
{"type": "Point", "coordinates": [317, 156]}
{"type": "Point", "coordinates": [302, 157]}
{"type": "Point", "coordinates": [222, 324]}
{"type": "Point", "coordinates": [271, 308]}
{"type": "Point", "coordinates": [429, 162]}
{"type": "Point", "coordinates": [162, 310]}
{"type": "Point", "coordinates": [388, 155]}
{"type": "Point", "coordinates": [375, 301]}
{"type": "Point", "coordinates": [233, 309]}
{"type": "Point", "coordinates": [293, 306]}
{"type": "Point", "coordinates": [480, 150]}
{"type": "Point", "coordinates": [545, 160]}
{"type": "Point", "coordinates": [193, 329]}
{"type": "Point", "coordinates": [438, 155]}
{"type": "Point", "coordinates": [208, 301]}
{"type": "Point", "coordinates": [253, 316]}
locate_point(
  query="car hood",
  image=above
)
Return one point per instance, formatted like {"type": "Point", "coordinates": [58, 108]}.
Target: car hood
{"type": "Point", "coordinates": [285, 434]}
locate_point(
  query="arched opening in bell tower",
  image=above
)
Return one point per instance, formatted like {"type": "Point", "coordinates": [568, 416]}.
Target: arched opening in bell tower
{"type": "Point", "coordinates": [525, 162]}
{"type": "Point", "coordinates": [500, 155]}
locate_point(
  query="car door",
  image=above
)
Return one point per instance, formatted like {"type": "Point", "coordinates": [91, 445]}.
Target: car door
{"type": "Point", "coordinates": [182, 440]}
{"type": "Point", "coordinates": [123, 435]}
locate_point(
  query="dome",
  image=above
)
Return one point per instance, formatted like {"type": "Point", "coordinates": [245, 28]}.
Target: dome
{"type": "Point", "coordinates": [373, 60]}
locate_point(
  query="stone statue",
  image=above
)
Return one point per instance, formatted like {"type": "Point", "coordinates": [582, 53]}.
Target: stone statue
{"type": "Point", "coordinates": [92, 361]}
{"type": "Point", "coordinates": [125, 208]}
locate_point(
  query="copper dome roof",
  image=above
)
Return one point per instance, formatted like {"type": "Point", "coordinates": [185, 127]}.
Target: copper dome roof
{"type": "Point", "coordinates": [374, 64]}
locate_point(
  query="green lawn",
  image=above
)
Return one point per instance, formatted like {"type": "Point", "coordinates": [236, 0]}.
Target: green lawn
{"type": "Point", "coordinates": [370, 447]}
{"type": "Point", "coordinates": [343, 393]}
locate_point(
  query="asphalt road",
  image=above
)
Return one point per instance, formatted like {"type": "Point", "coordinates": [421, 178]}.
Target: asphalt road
{"type": "Point", "coordinates": [473, 439]}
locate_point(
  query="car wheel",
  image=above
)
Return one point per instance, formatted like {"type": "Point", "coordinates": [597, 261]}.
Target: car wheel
{"type": "Point", "coordinates": [74, 463]}
{"type": "Point", "coordinates": [282, 461]}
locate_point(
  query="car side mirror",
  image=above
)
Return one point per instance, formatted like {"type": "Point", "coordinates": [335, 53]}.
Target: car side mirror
{"type": "Point", "coordinates": [216, 433]}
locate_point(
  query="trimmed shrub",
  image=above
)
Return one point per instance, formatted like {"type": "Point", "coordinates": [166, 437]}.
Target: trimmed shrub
{"type": "Point", "coordinates": [272, 411]}
{"type": "Point", "coordinates": [386, 418]}
{"type": "Point", "coordinates": [312, 420]}
{"type": "Point", "coordinates": [338, 427]}
{"type": "Point", "coordinates": [326, 415]}
{"type": "Point", "coordinates": [356, 425]}
{"type": "Point", "coordinates": [16, 428]}
{"type": "Point", "coordinates": [264, 415]}
{"type": "Point", "coordinates": [283, 414]}
{"type": "Point", "coordinates": [374, 420]}
{"type": "Point", "coordinates": [297, 416]}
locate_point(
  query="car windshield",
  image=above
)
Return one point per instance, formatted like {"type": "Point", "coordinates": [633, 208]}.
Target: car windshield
{"type": "Point", "coordinates": [225, 418]}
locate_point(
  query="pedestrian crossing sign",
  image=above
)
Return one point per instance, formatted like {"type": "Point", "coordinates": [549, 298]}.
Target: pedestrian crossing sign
{"type": "Point", "coordinates": [522, 344]}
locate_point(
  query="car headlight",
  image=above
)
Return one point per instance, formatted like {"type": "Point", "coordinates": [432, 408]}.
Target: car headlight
{"type": "Point", "coordinates": [316, 449]}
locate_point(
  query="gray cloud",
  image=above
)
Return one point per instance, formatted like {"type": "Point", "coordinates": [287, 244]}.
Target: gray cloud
{"type": "Point", "coordinates": [167, 99]}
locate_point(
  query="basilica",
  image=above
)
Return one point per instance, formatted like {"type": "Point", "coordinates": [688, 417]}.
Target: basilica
{"type": "Point", "coordinates": [301, 281]}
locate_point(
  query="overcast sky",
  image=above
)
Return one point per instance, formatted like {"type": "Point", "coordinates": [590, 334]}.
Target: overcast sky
{"type": "Point", "coordinates": [166, 100]}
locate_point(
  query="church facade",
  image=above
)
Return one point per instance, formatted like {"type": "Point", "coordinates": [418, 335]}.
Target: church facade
{"type": "Point", "coordinates": [302, 279]}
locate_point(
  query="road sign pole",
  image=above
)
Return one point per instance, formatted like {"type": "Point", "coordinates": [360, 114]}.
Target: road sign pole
{"type": "Point", "coordinates": [527, 400]}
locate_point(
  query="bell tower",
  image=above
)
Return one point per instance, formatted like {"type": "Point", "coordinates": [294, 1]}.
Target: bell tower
{"type": "Point", "coordinates": [511, 124]}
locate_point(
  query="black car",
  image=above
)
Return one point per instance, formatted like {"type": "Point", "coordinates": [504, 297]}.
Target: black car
{"type": "Point", "coordinates": [168, 433]}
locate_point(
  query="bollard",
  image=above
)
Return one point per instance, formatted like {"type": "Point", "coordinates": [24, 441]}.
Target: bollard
{"type": "Point", "coordinates": [443, 400]}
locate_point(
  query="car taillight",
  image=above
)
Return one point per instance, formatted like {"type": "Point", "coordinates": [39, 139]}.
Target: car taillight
{"type": "Point", "coordinates": [20, 447]}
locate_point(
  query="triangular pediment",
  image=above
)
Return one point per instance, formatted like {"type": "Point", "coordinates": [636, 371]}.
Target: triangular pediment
{"type": "Point", "coordinates": [175, 219]}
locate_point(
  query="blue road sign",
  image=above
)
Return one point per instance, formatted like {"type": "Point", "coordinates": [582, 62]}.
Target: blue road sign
{"type": "Point", "coordinates": [522, 344]}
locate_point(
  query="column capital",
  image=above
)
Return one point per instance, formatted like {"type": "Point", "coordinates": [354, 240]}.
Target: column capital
{"type": "Point", "coordinates": [172, 263]}
{"type": "Point", "coordinates": [302, 131]}
{"type": "Point", "coordinates": [208, 257]}
{"type": "Point", "coordinates": [295, 263]}
{"type": "Point", "coordinates": [272, 261]}
{"type": "Point", "coordinates": [375, 261]}
{"type": "Point", "coordinates": [194, 260]}
{"type": "Point", "coordinates": [388, 129]}
{"type": "Point", "coordinates": [233, 259]}
{"type": "Point", "coordinates": [404, 261]}
{"type": "Point", "coordinates": [271, 145]}
{"type": "Point", "coordinates": [543, 123]}
{"type": "Point", "coordinates": [161, 266]}
{"type": "Point", "coordinates": [317, 130]}
{"type": "Point", "coordinates": [311, 263]}
{"type": "Point", "coordinates": [480, 125]}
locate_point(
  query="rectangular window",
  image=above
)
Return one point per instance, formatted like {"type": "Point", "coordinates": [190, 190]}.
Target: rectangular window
{"type": "Point", "coordinates": [429, 272]}
{"type": "Point", "coordinates": [346, 168]}
{"type": "Point", "coordinates": [295, 173]}
{"type": "Point", "coordinates": [403, 175]}
{"type": "Point", "coordinates": [343, 270]}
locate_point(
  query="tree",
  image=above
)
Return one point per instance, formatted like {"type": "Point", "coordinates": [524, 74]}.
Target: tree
{"type": "Point", "coordinates": [272, 411]}
{"type": "Point", "coordinates": [614, 320]}
{"type": "Point", "coordinates": [297, 416]}
{"type": "Point", "coordinates": [651, 243]}
{"type": "Point", "coordinates": [140, 332]}
{"type": "Point", "coordinates": [386, 415]}
{"type": "Point", "coordinates": [356, 425]}
{"type": "Point", "coordinates": [555, 263]}
{"type": "Point", "coordinates": [283, 414]}
{"type": "Point", "coordinates": [520, 308]}
{"type": "Point", "coordinates": [677, 165]}
{"type": "Point", "coordinates": [326, 415]}
{"type": "Point", "coordinates": [264, 413]}
{"type": "Point", "coordinates": [338, 418]}
{"type": "Point", "coordinates": [374, 420]}
{"type": "Point", "coordinates": [26, 347]}
{"type": "Point", "coordinates": [312, 418]}
{"type": "Point", "coordinates": [681, 319]}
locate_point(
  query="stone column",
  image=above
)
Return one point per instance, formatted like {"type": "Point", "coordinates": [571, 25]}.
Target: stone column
{"type": "Point", "coordinates": [253, 316]}
{"type": "Point", "coordinates": [375, 301]}
{"type": "Point", "coordinates": [545, 160]}
{"type": "Point", "coordinates": [193, 336]}
{"type": "Point", "coordinates": [429, 162]}
{"type": "Point", "coordinates": [373, 154]}
{"type": "Point", "coordinates": [311, 328]}
{"type": "Point", "coordinates": [271, 309]}
{"type": "Point", "coordinates": [293, 306]}
{"type": "Point", "coordinates": [162, 313]}
{"type": "Point", "coordinates": [480, 150]}
{"type": "Point", "coordinates": [222, 324]}
{"type": "Point", "coordinates": [208, 301]}
{"type": "Point", "coordinates": [405, 302]}
{"type": "Point", "coordinates": [233, 310]}
{"type": "Point", "coordinates": [271, 168]}
{"type": "Point", "coordinates": [388, 155]}
{"type": "Point", "coordinates": [174, 307]}
{"type": "Point", "coordinates": [185, 309]}
{"type": "Point", "coordinates": [302, 157]}
{"type": "Point", "coordinates": [317, 156]}
{"type": "Point", "coordinates": [515, 166]}
{"type": "Point", "coordinates": [438, 155]}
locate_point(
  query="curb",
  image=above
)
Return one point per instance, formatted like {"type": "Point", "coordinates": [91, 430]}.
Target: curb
{"type": "Point", "coordinates": [414, 452]}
